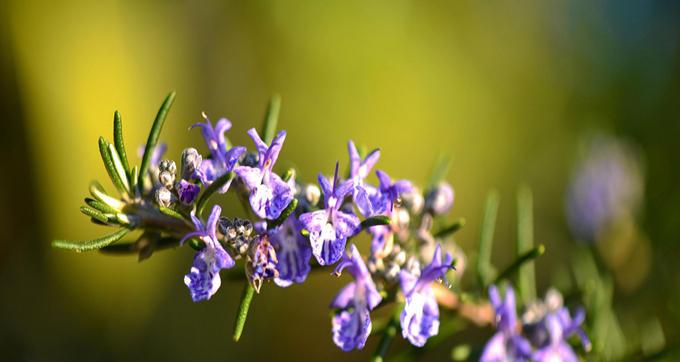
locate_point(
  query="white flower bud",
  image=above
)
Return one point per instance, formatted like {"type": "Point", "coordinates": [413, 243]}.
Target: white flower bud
{"type": "Point", "coordinates": [164, 197]}
{"type": "Point", "coordinates": [312, 194]}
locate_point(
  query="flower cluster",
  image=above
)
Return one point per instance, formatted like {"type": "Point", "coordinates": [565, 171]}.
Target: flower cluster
{"type": "Point", "coordinates": [294, 227]}
{"type": "Point", "coordinates": [540, 335]}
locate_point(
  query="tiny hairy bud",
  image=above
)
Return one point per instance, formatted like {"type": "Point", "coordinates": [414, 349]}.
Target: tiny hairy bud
{"type": "Point", "coordinates": [440, 199]}
{"type": "Point", "coordinates": [164, 197]}
{"type": "Point", "coordinates": [168, 165]}
{"type": "Point", "coordinates": [413, 201]}
{"type": "Point", "coordinates": [312, 194]}
{"type": "Point", "coordinates": [191, 161]}
{"type": "Point", "coordinates": [167, 179]}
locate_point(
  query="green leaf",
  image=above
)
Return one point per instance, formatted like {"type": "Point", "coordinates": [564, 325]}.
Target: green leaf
{"type": "Point", "coordinates": [375, 221]}
{"type": "Point", "coordinates": [134, 176]}
{"type": "Point", "coordinates": [170, 212]}
{"type": "Point", "coordinates": [271, 224]}
{"type": "Point", "coordinates": [290, 173]}
{"type": "Point", "coordinates": [98, 192]}
{"type": "Point", "coordinates": [94, 213]}
{"type": "Point", "coordinates": [242, 315]}
{"type": "Point", "coordinates": [484, 268]}
{"type": "Point", "coordinates": [521, 260]}
{"type": "Point", "coordinates": [271, 119]}
{"type": "Point", "coordinates": [439, 170]}
{"type": "Point", "coordinates": [110, 167]}
{"type": "Point", "coordinates": [388, 335]}
{"type": "Point", "coordinates": [216, 185]}
{"type": "Point", "coordinates": [451, 229]}
{"type": "Point", "coordinates": [526, 280]}
{"type": "Point", "coordinates": [94, 244]}
{"type": "Point", "coordinates": [134, 247]}
{"type": "Point", "coordinates": [100, 206]}
{"type": "Point", "coordinates": [118, 165]}
{"type": "Point", "coordinates": [118, 140]}
{"type": "Point", "coordinates": [153, 136]}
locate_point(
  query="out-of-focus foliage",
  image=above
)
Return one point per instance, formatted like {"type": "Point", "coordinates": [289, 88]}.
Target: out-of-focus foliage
{"type": "Point", "coordinates": [507, 89]}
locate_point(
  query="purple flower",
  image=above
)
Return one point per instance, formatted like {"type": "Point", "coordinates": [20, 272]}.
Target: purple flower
{"type": "Point", "coordinates": [607, 187]}
{"type": "Point", "coordinates": [359, 170]}
{"type": "Point", "coordinates": [187, 191]}
{"type": "Point", "coordinates": [269, 194]}
{"type": "Point", "coordinates": [223, 159]}
{"type": "Point", "coordinates": [420, 317]}
{"type": "Point", "coordinates": [557, 349]}
{"type": "Point", "coordinates": [329, 228]}
{"type": "Point", "coordinates": [383, 199]}
{"type": "Point", "coordinates": [440, 199]}
{"type": "Point", "coordinates": [262, 262]}
{"type": "Point", "coordinates": [293, 251]}
{"type": "Point", "coordinates": [203, 279]}
{"type": "Point", "coordinates": [507, 344]}
{"type": "Point", "coordinates": [352, 325]}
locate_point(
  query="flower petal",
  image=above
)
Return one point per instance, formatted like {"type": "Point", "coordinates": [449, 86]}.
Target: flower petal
{"type": "Point", "coordinates": [351, 329]}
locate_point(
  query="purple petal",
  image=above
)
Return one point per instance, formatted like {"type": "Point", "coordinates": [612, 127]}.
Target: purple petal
{"type": "Point", "coordinates": [354, 158]}
{"type": "Point", "coordinates": [345, 224]}
{"type": "Point", "coordinates": [362, 201]}
{"type": "Point", "coordinates": [345, 297]}
{"type": "Point", "coordinates": [259, 144]}
{"type": "Point", "coordinates": [351, 329]}
{"type": "Point", "coordinates": [326, 246]}
{"type": "Point", "coordinates": [371, 160]}
{"type": "Point", "coordinates": [187, 191]}
{"type": "Point", "coordinates": [420, 317]}
{"type": "Point", "coordinates": [251, 176]}
{"type": "Point", "coordinates": [326, 187]}
{"type": "Point", "coordinates": [314, 221]}
{"type": "Point", "coordinates": [293, 252]}
{"type": "Point", "coordinates": [232, 156]}
{"type": "Point", "coordinates": [343, 189]}
{"type": "Point", "coordinates": [273, 151]}
{"type": "Point", "coordinates": [221, 127]}
{"type": "Point", "coordinates": [384, 179]}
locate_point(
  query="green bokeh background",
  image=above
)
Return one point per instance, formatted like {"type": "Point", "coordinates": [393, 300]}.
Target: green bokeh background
{"type": "Point", "coordinates": [506, 88]}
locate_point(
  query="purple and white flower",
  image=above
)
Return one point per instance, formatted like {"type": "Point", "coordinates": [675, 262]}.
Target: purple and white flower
{"type": "Point", "coordinates": [359, 170]}
{"type": "Point", "coordinates": [262, 261]}
{"type": "Point", "coordinates": [352, 324]}
{"type": "Point", "coordinates": [507, 344]}
{"type": "Point", "coordinates": [223, 159]}
{"type": "Point", "coordinates": [269, 194]}
{"type": "Point", "coordinates": [293, 251]}
{"type": "Point", "coordinates": [203, 279]}
{"type": "Point", "coordinates": [329, 228]}
{"type": "Point", "coordinates": [420, 317]}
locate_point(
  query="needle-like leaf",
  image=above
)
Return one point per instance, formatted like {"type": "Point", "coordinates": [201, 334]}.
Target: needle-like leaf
{"type": "Point", "coordinates": [91, 244]}
{"type": "Point", "coordinates": [118, 141]}
{"type": "Point", "coordinates": [244, 306]}
{"type": "Point", "coordinates": [271, 119]}
{"type": "Point", "coordinates": [153, 136]}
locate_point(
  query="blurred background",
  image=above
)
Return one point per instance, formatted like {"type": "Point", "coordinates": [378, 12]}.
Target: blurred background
{"type": "Point", "coordinates": [514, 92]}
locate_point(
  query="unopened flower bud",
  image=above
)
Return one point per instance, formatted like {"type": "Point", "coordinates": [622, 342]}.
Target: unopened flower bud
{"type": "Point", "coordinates": [413, 201]}
{"type": "Point", "coordinates": [191, 161]}
{"type": "Point", "coordinates": [168, 165]}
{"type": "Point", "coordinates": [167, 179]}
{"type": "Point", "coordinates": [312, 194]}
{"type": "Point", "coordinates": [164, 197]}
{"type": "Point", "coordinates": [440, 199]}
